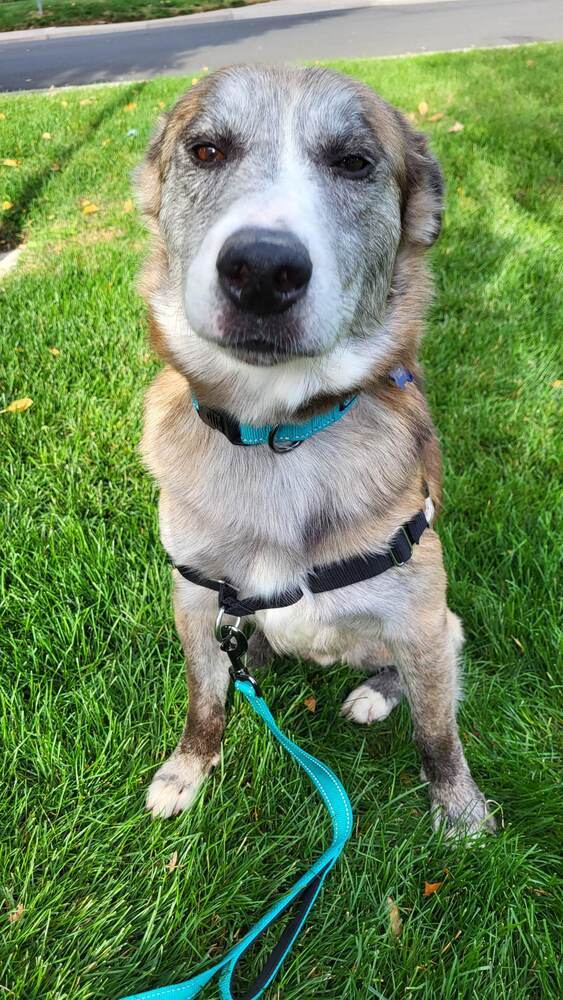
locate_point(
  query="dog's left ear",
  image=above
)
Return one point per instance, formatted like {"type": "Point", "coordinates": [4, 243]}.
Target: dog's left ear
{"type": "Point", "coordinates": [423, 191]}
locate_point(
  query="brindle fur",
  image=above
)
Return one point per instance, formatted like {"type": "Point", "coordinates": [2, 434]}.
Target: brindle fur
{"type": "Point", "coordinates": [261, 519]}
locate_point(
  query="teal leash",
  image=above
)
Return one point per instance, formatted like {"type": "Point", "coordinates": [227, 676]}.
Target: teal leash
{"type": "Point", "coordinates": [306, 889]}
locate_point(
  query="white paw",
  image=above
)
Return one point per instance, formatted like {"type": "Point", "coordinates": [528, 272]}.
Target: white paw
{"type": "Point", "coordinates": [175, 785]}
{"type": "Point", "coordinates": [364, 705]}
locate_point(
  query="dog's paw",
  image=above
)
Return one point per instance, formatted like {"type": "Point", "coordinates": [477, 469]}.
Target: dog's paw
{"type": "Point", "coordinates": [373, 700]}
{"type": "Point", "coordinates": [175, 785]}
{"type": "Point", "coordinates": [461, 810]}
{"type": "Point", "coordinates": [365, 705]}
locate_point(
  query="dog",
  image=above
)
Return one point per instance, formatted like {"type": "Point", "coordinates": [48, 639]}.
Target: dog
{"type": "Point", "coordinates": [291, 211]}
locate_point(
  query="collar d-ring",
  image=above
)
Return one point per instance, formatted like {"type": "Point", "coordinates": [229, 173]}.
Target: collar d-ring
{"type": "Point", "coordinates": [281, 446]}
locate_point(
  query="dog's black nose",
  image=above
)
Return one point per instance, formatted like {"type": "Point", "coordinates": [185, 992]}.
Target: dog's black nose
{"type": "Point", "coordinates": [264, 271]}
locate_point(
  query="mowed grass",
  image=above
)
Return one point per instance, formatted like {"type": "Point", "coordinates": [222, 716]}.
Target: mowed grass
{"type": "Point", "coordinates": [18, 14]}
{"type": "Point", "coordinates": [91, 673]}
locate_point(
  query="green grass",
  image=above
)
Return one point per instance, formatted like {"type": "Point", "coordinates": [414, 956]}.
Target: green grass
{"type": "Point", "coordinates": [18, 14]}
{"type": "Point", "coordinates": [92, 692]}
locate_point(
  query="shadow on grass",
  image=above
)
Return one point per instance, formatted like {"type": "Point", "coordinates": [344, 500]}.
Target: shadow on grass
{"type": "Point", "coordinates": [12, 229]}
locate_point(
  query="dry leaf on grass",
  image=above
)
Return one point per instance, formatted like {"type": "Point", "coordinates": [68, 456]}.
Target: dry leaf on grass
{"type": "Point", "coordinates": [130, 107]}
{"type": "Point", "coordinates": [411, 116]}
{"type": "Point", "coordinates": [456, 127]}
{"type": "Point", "coordinates": [6, 206]}
{"type": "Point", "coordinates": [54, 351]}
{"type": "Point", "coordinates": [87, 100]}
{"type": "Point", "coordinates": [46, 136]}
{"type": "Point", "coordinates": [55, 167]}
{"type": "Point", "coordinates": [2, 116]}
{"type": "Point", "coordinates": [18, 405]}
{"type": "Point", "coordinates": [88, 207]}
{"type": "Point", "coordinates": [557, 384]}
{"type": "Point", "coordinates": [395, 921]}
{"type": "Point", "coordinates": [17, 914]}
{"type": "Point", "coordinates": [423, 108]}
{"type": "Point", "coordinates": [530, 62]}
{"type": "Point", "coordinates": [172, 862]}
{"type": "Point", "coordinates": [517, 643]}
{"type": "Point", "coordinates": [437, 117]}
{"type": "Point", "coordinates": [161, 104]}
{"type": "Point", "coordinates": [10, 163]}
{"type": "Point", "coordinates": [128, 205]}
{"type": "Point", "coordinates": [311, 703]}
{"type": "Point", "coordinates": [195, 80]}
{"type": "Point", "coordinates": [64, 104]}
{"type": "Point", "coordinates": [430, 887]}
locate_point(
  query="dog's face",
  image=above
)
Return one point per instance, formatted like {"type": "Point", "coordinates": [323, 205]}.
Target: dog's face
{"type": "Point", "coordinates": [282, 197]}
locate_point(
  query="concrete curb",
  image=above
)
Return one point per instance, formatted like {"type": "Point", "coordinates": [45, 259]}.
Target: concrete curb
{"type": "Point", "coordinates": [273, 8]}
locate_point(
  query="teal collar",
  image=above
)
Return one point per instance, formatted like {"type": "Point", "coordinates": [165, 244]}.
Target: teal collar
{"type": "Point", "coordinates": [280, 437]}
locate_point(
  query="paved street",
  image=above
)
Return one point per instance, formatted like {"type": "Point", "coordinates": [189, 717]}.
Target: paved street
{"type": "Point", "coordinates": [184, 46]}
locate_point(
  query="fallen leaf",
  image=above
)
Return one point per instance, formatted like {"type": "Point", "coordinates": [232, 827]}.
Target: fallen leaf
{"type": "Point", "coordinates": [54, 351]}
{"type": "Point", "coordinates": [405, 778]}
{"type": "Point", "coordinates": [130, 107]}
{"type": "Point", "coordinates": [17, 914]}
{"type": "Point", "coordinates": [64, 104]}
{"type": "Point", "coordinates": [87, 100]}
{"type": "Point", "coordinates": [46, 136]}
{"type": "Point", "coordinates": [2, 116]}
{"type": "Point", "coordinates": [394, 917]}
{"type": "Point", "coordinates": [128, 205]}
{"type": "Point", "coordinates": [161, 104]}
{"type": "Point", "coordinates": [195, 80]}
{"type": "Point", "coordinates": [558, 384]}
{"type": "Point", "coordinates": [6, 206]}
{"type": "Point", "coordinates": [456, 127]}
{"type": "Point", "coordinates": [55, 167]}
{"type": "Point", "coordinates": [18, 405]}
{"type": "Point", "coordinates": [530, 62]}
{"type": "Point", "coordinates": [411, 116]}
{"type": "Point", "coordinates": [172, 862]}
{"type": "Point", "coordinates": [10, 163]}
{"type": "Point", "coordinates": [437, 117]}
{"type": "Point", "coordinates": [106, 142]}
{"type": "Point", "coordinates": [88, 207]}
{"type": "Point", "coordinates": [423, 108]}
{"type": "Point", "coordinates": [517, 643]}
{"type": "Point", "coordinates": [430, 887]}
{"type": "Point", "coordinates": [311, 703]}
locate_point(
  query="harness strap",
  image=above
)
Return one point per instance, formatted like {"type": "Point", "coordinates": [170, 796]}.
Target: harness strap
{"type": "Point", "coordinates": [302, 895]}
{"type": "Point", "coordinates": [321, 578]}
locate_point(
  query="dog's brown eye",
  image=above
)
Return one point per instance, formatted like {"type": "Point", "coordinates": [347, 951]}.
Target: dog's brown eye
{"type": "Point", "coordinates": [352, 165]}
{"type": "Point", "coordinates": [206, 153]}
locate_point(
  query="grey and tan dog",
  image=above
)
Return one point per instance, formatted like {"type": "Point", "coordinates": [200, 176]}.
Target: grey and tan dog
{"type": "Point", "coordinates": [291, 211]}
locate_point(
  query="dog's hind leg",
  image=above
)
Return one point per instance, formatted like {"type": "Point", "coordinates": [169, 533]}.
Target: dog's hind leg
{"type": "Point", "coordinates": [175, 784]}
{"type": "Point", "coordinates": [375, 698]}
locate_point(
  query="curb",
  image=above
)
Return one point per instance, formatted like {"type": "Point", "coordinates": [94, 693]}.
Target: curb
{"type": "Point", "coordinates": [272, 8]}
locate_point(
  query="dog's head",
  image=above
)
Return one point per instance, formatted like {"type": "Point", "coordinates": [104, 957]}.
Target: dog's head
{"type": "Point", "coordinates": [282, 201]}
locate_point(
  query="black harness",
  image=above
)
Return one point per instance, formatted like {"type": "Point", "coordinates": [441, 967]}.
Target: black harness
{"type": "Point", "coordinates": [321, 578]}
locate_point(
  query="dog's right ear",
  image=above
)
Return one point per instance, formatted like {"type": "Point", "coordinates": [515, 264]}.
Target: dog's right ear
{"type": "Point", "coordinates": [423, 190]}
{"type": "Point", "coordinates": [147, 177]}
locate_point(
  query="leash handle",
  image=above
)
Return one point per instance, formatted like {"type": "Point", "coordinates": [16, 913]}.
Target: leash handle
{"type": "Point", "coordinates": [303, 893]}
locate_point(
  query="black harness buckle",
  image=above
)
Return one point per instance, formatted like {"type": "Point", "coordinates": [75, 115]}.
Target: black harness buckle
{"type": "Point", "coordinates": [401, 547]}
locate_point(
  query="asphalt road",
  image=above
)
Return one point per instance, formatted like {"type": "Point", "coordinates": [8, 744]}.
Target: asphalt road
{"type": "Point", "coordinates": [184, 49]}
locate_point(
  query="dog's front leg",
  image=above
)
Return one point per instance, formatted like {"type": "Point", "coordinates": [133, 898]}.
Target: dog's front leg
{"type": "Point", "coordinates": [175, 784]}
{"type": "Point", "coordinates": [427, 660]}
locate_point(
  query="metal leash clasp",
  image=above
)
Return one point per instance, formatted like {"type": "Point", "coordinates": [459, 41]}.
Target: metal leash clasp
{"type": "Point", "coordinates": [233, 640]}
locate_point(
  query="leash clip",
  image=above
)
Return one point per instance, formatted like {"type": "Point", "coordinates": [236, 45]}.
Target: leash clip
{"type": "Point", "coordinates": [233, 641]}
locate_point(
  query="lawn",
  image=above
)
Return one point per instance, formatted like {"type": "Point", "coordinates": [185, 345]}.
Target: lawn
{"type": "Point", "coordinates": [91, 676]}
{"type": "Point", "coordinates": [17, 14]}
